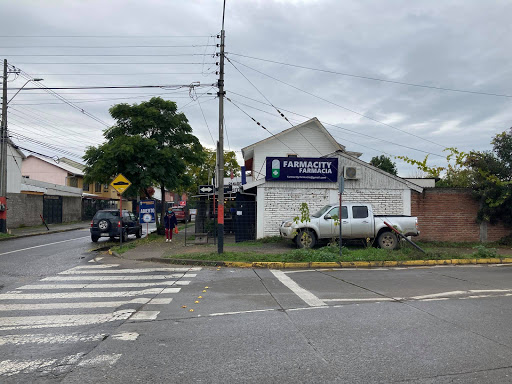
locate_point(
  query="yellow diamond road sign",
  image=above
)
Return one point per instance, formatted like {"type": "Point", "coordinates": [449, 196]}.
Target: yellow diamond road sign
{"type": "Point", "coordinates": [120, 184]}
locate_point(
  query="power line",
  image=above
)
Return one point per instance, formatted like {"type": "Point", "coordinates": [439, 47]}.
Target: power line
{"type": "Point", "coordinates": [109, 55]}
{"type": "Point", "coordinates": [174, 87]}
{"type": "Point", "coordinates": [108, 46]}
{"type": "Point", "coordinates": [342, 107]}
{"type": "Point", "coordinates": [124, 74]}
{"type": "Point", "coordinates": [106, 36]}
{"type": "Point", "coordinates": [337, 126]}
{"type": "Point", "coordinates": [118, 63]}
{"type": "Point", "coordinates": [374, 78]}
{"type": "Point", "coordinates": [204, 117]}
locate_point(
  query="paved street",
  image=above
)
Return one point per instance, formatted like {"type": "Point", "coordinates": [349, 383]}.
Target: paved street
{"type": "Point", "coordinates": [68, 315]}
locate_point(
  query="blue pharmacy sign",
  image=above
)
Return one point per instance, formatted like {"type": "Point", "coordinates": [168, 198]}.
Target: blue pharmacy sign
{"type": "Point", "coordinates": [302, 169]}
{"type": "Point", "coordinates": [147, 211]}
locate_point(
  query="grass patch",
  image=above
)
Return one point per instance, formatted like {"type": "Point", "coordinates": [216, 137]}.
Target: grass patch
{"type": "Point", "coordinates": [5, 235]}
{"type": "Point", "coordinates": [452, 244]}
{"type": "Point", "coordinates": [131, 244]}
{"type": "Point", "coordinates": [264, 240]}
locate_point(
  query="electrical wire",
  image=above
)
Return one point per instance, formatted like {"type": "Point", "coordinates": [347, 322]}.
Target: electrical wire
{"type": "Point", "coordinates": [107, 46]}
{"type": "Point", "coordinates": [109, 55]}
{"type": "Point", "coordinates": [374, 78]}
{"type": "Point", "coordinates": [342, 107]}
{"type": "Point", "coordinates": [204, 117]}
{"type": "Point", "coordinates": [111, 63]}
{"type": "Point", "coordinates": [174, 87]}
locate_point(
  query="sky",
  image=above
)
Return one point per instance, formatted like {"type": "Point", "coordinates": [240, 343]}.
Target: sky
{"type": "Point", "coordinates": [362, 53]}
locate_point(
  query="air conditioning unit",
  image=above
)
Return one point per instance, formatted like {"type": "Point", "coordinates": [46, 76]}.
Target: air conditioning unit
{"type": "Point", "coordinates": [352, 173]}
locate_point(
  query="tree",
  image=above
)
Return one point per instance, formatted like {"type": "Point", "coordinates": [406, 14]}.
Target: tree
{"type": "Point", "coordinates": [201, 174]}
{"type": "Point", "coordinates": [149, 144]}
{"type": "Point", "coordinates": [492, 179]}
{"type": "Point", "coordinates": [384, 163]}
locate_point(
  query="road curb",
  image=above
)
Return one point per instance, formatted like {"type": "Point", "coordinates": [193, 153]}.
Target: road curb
{"type": "Point", "coordinates": [40, 233]}
{"type": "Point", "coordinates": [343, 264]}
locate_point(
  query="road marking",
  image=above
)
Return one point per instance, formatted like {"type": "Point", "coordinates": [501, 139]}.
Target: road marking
{"type": "Point", "coordinates": [58, 321]}
{"type": "Point", "coordinates": [44, 338]}
{"type": "Point", "coordinates": [100, 360]}
{"type": "Point", "coordinates": [74, 271]}
{"type": "Point", "coordinates": [45, 366]}
{"type": "Point", "coordinates": [160, 301]}
{"type": "Point", "coordinates": [13, 295]}
{"type": "Point", "coordinates": [367, 299]}
{"type": "Point", "coordinates": [442, 294]}
{"type": "Point", "coordinates": [126, 336]}
{"type": "Point", "coordinates": [96, 286]}
{"type": "Point", "coordinates": [96, 259]}
{"type": "Point", "coordinates": [304, 294]}
{"type": "Point", "coordinates": [96, 278]}
{"type": "Point", "coordinates": [42, 245]}
{"type": "Point", "coordinates": [100, 266]}
{"type": "Point", "coordinates": [83, 305]}
{"type": "Point", "coordinates": [240, 312]}
{"type": "Point", "coordinates": [145, 315]}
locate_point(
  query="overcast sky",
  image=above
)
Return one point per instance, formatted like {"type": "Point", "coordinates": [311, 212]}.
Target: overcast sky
{"type": "Point", "coordinates": [460, 45]}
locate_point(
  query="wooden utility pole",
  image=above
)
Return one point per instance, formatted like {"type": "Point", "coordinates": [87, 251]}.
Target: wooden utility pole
{"type": "Point", "coordinates": [3, 155]}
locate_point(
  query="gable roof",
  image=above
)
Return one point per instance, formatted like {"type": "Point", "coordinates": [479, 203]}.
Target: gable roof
{"type": "Point", "coordinates": [16, 148]}
{"type": "Point", "coordinates": [68, 168]}
{"type": "Point", "coordinates": [314, 120]}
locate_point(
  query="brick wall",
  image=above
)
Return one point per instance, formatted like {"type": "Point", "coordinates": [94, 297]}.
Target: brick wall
{"type": "Point", "coordinates": [284, 203]}
{"type": "Point", "coordinates": [446, 214]}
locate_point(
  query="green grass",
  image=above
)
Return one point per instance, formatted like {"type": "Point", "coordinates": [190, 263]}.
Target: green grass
{"type": "Point", "coordinates": [264, 240]}
{"type": "Point", "coordinates": [5, 235]}
{"type": "Point", "coordinates": [331, 254]}
{"type": "Point", "coordinates": [131, 244]}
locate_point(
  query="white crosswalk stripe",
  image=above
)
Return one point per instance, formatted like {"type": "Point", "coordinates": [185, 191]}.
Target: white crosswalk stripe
{"type": "Point", "coordinates": [56, 309]}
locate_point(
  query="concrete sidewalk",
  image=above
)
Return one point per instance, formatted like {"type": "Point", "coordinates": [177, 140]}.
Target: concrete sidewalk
{"type": "Point", "coordinates": [41, 229]}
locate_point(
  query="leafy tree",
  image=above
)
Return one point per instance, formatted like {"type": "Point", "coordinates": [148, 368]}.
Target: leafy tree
{"type": "Point", "coordinates": [149, 144]}
{"type": "Point", "coordinates": [492, 179]}
{"type": "Point", "coordinates": [384, 163]}
{"type": "Point", "coordinates": [200, 173]}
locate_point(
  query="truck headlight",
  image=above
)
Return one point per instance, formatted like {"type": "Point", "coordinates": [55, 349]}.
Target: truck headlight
{"type": "Point", "coordinates": [287, 224]}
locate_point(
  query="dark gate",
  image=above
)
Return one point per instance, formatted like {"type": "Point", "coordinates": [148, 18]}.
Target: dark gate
{"type": "Point", "coordinates": [52, 209]}
{"type": "Point", "coordinates": [244, 218]}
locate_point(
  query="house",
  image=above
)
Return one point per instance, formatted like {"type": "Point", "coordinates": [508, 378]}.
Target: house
{"type": "Point", "coordinates": [310, 164]}
{"type": "Point", "coordinates": [52, 171]}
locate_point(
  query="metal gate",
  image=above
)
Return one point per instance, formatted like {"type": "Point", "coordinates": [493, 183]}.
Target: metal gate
{"type": "Point", "coordinates": [52, 209]}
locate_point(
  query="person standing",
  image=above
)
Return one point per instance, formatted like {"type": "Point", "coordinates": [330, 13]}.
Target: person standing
{"type": "Point", "coordinates": [170, 222]}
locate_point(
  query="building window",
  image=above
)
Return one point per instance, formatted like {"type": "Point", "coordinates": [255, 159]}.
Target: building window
{"type": "Point", "coordinates": [86, 187]}
{"type": "Point", "coordinates": [97, 187]}
{"type": "Point", "coordinates": [105, 187]}
{"type": "Point", "coordinates": [73, 182]}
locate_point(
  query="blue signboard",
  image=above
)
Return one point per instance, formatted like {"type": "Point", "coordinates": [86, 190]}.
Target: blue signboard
{"type": "Point", "coordinates": [147, 211]}
{"type": "Point", "coordinates": [302, 169]}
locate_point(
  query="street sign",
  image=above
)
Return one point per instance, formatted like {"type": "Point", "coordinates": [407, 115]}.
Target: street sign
{"type": "Point", "coordinates": [342, 184]}
{"type": "Point", "coordinates": [205, 189]}
{"type": "Point", "coordinates": [120, 184]}
{"type": "Point", "coordinates": [147, 211]}
{"type": "Point", "coordinates": [183, 203]}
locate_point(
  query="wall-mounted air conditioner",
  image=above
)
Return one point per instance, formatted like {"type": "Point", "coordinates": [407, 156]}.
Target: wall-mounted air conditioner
{"type": "Point", "coordinates": [352, 172]}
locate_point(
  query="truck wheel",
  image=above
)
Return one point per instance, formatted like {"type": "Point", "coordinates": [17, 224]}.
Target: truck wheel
{"type": "Point", "coordinates": [387, 240]}
{"type": "Point", "coordinates": [305, 239]}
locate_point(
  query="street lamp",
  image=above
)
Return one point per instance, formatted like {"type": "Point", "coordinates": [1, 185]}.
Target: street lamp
{"type": "Point", "coordinates": [3, 149]}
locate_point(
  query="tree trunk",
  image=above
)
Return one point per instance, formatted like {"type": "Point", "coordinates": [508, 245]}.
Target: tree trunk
{"type": "Point", "coordinates": [162, 212]}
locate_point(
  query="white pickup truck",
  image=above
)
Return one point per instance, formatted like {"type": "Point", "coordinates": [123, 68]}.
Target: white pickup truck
{"type": "Point", "coordinates": [357, 222]}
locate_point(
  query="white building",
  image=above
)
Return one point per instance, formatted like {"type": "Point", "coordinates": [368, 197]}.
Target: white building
{"type": "Point", "coordinates": [278, 200]}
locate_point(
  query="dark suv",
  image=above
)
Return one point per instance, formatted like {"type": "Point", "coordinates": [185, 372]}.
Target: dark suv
{"type": "Point", "coordinates": [106, 223]}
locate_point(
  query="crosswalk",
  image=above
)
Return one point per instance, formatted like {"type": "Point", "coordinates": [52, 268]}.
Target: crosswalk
{"type": "Point", "coordinates": [63, 309]}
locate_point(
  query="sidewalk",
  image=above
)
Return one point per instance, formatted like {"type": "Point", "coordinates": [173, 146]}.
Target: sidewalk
{"type": "Point", "coordinates": [41, 229]}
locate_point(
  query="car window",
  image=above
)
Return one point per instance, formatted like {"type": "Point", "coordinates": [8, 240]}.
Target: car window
{"type": "Point", "coordinates": [322, 211]}
{"type": "Point", "coordinates": [344, 212]}
{"type": "Point", "coordinates": [359, 212]}
{"type": "Point", "coordinates": [106, 215]}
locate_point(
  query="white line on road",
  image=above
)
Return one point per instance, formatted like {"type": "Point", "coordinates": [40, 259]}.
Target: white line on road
{"type": "Point", "coordinates": [95, 277]}
{"type": "Point", "coordinates": [160, 301]}
{"type": "Point", "coordinates": [74, 305]}
{"type": "Point", "coordinates": [44, 366]}
{"type": "Point", "coordinates": [96, 286]}
{"type": "Point", "coordinates": [241, 312]}
{"type": "Point", "coordinates": [100, 266]}
{"type": "Point", "coordinates": [367, 299]}
{"type": "Point", "coordinates": [58, 321]}
{"type": "Point", "coordinates": [42, 245]}
{"type": "Point", "coordinates": [48, 338]}
{"type": "Point", "coordinates": [13, 295]}
{"type": "Point", "coordinates": [136, 270]}
{"type": "Point", "coordinates": [100, 360]}
{"type": "Point", "coordinates": [145, 315]}
{"type": "Point", "coordinates": [304, 294]}
{"type": "Point", "coordinates": [96, 259]}
{"type": "Point", "coordinates": [126, 336]}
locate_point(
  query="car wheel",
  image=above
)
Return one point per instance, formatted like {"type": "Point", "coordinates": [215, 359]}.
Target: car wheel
{"type": "Point", "coordinates": [95, 238]}
{"type": "Point", "coordinates": [387, 240]}
{"type": "Point", "coordinates": [306, 239]}
{"type": "Point", "coordinates": [138, 235]}
{"type": "Point", "coordinates": [104, 225]}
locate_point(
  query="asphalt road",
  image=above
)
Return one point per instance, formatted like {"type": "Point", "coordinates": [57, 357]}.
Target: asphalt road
{"type": "Point", "coordinates": [108, 320]}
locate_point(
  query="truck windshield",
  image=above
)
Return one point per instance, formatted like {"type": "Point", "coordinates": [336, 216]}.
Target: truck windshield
{"type": "Point", "coordinates": [322, 211]}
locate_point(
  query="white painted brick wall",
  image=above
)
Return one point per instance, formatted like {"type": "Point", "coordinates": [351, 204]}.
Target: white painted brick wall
{"type": "Point", "coordinates": [284, 203]}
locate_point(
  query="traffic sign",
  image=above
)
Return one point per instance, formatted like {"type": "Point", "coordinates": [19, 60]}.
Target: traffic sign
{"type": "Point", "coordinates": [183, 203]}
{"type": "Point", "coordinates": [205, 189]}
{"type": "Point", "coordinates": [147, 211]}
{"type": "Point", "coordinates": [120, 184]}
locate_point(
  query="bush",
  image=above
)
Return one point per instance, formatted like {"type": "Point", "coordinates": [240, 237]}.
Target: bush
{"type": "Point", "coordinates": [483, 252]}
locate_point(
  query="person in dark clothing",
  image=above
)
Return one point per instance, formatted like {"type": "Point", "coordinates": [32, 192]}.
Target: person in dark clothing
{"type": "Point", "coordinates": [170, 222]}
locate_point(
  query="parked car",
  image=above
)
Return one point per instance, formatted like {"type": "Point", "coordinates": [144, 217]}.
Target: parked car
{"type": "Point", "coordinates": [357, 222]}
{"type": "Point", "coordinates": [182, 213]}
{"type": "Point", "coordinates": [106, 223]}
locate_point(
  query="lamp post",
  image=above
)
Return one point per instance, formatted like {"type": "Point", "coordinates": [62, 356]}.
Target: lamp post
{"type": "Point", "coordinates": [3, 149]}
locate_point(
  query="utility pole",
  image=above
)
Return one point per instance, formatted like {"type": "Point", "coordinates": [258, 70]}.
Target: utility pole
{"type": "Point", "coordinates": [3, 156]}
{"type": "Point", "coordinates": [220, 151]}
